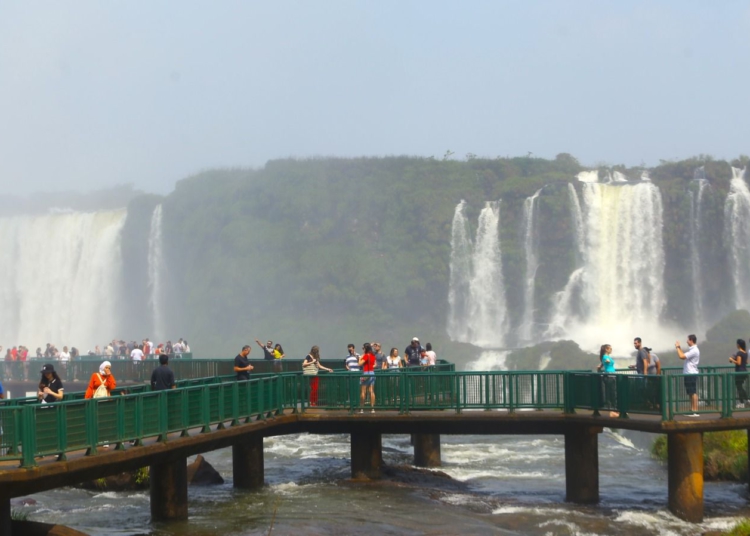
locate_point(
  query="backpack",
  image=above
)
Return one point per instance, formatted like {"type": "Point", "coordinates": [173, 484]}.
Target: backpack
{"type": "Point", "coordinates": [101, 391]}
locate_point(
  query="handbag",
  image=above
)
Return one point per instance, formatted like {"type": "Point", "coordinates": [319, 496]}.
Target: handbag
{"type": "Point", "coordinates": [101, 391]}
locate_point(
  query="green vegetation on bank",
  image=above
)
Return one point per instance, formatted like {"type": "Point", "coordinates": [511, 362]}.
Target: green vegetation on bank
{"type": "Point", "coordinates": [724, 454]}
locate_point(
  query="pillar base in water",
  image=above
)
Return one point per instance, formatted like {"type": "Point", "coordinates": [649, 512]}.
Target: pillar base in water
{"type": "Point", "coordinates": [367, 455]}
{"type": "Point", "coordinates": [427, 450]}
{"type": "Point", "coordinates": [685, 470]}
{"type": "Point", "coordinates": [169, 493]}
{"type": "Point", "coordinates": [247, 462]}
{"type": "Point", "coordinates": [582, 465]}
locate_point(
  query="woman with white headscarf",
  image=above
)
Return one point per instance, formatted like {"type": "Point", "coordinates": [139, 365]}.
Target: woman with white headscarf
{"type": "Point", "coordinates": [103, 378]}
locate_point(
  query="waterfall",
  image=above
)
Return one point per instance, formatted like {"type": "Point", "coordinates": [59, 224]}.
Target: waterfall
{"type": "Point", "coordinates": [476, 297]}
{"type": "Point", "coordinates": [460, 276]}
{"type": "Point", "coordinates": [156, 275]}
{"type": "Point", "coordinates": [60, 279]}
{"type": "Point", "coordinates": [563, 302]}
{"type": "Point", "coordinates": [737, 236]}
{"type": "Point", "coordinates": [623, 279]}
{"type": "Point", "coordinates": [487, 307]}
{"type": "Point", "coordinates": [696, 226]}
{"type": "Point", "coordinates": [577, 216]}
{"type": "Point", "coordinates": [532, 263]}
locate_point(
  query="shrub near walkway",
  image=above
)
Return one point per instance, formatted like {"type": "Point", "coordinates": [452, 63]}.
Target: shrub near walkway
{"type": "Point", "coordinates": [724, 454]}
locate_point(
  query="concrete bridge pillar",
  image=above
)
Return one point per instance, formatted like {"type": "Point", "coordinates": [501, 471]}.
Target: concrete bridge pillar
{"type": "Point", "coordinates": [169, 489]}
{"type": "Point", "coordinates": [247, 462]}
{"type": "Point", "coordinates": [367, 455]}
{"type": "Point", "coordinates": [685, 470]}
{"type": "Point", "coordinates": [427, 450]}
{"type": "Point", "coordinates": [582, 464]}
{"type": "Point", "coordinates": [5, 521]}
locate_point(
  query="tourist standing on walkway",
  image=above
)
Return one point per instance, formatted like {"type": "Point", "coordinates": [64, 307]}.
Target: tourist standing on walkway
{"type": "Point", "coordinates": [351, 361]}
{"type": "Point", "coordinates": [278, 351]}
{"type": "Point", "coordinates": [267, 349]}
{"type": "Point", "coordinates": [413, 353]}
{"type": "Point", "coordinates": [367, 383]}
{"type": "Point", "coordinates": [50, 386]}
{"type": "Point", "coordinates": [739, 360]}
{"type": "Point", "coordinates": [242, 365]}
{"type": "Point", "coordinates": [610, 383]}
{"type": "Point", "coordinates": [136, 354]}
{"type": "Point", "coordinates": [379, 356]}
{"type": "Point", "coordinates": [431, 356]}
{"type": "Point", "coordinates": [692, 359]}
{"type": "Point", "coordinates": [654, 363]}
{"type": "Point", "coordinates": [162, 378]}
{"type": "Point", "coordinates": [393, 361]}
{"type": "Point", "coordinates": [103, 377]}
{"type": "Point", "coordinates": [641, 357]}
{"type": "Point", "coordinates": [310, 367]}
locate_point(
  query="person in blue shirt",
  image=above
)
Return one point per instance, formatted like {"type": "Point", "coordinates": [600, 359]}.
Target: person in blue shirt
{"type": "Point", "coordinates": [607, 364]}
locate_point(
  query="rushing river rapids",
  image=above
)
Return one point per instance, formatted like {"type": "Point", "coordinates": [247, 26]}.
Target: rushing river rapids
{"type": "Point", "coordinates": [497, 485]}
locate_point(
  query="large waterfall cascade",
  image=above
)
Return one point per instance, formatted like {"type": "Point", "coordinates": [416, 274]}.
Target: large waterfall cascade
{"type": "Point", "coordinates": [737, 236]}
{"type": "Point", "coordinates": [156, 274]}
{"type": "Point", "coordinates": [532, 264]}
{"type": "Point", "coordinates": [478, 309]}
{"type": "Point", "coordinates": [60, 279]}
{"type": "Point", "coordinates": [615, 292]}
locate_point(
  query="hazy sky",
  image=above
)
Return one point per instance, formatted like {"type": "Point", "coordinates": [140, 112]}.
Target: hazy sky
{"type": "Point", "coordinates": [94, 94]}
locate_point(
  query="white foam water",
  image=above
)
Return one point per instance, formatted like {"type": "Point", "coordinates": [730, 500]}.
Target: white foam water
{"type": "Point", "coordinates": [156, 276]}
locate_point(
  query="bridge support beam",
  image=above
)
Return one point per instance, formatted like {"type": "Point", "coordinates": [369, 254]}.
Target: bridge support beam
{"type": "Point", "coordinates": [5, 520]}
{"type": "Point", "coordinates": [582, 464]}
{"type": "Point", "coordinates": [169, 490]}
{"type": "Point", "coordinates": [427, 450]}
{"type": "Point", "coordinates": [247, 462]}
{"type": "Point", "coordinates": [367, 455]}
{"type": "Point", "coordinates": [685, 470]}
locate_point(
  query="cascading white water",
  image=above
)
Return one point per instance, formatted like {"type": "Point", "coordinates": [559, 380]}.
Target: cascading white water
{"type": "Point", "coordinates": [60, 279]}
{"type": "Point", "coordinates": [487, 306]}
{"type": "Point", "coordinates": [460, 276]}
{"type": "Point", "coordinates": [696, 225]}
{"type": "Point", "coordinates": [156, 275]}
{"type": "Point", "coordinates": [532, 264]}
{"type": "Point", "coordinates": [737, 236]}
{"type": "Point", "coordinates": [577, 216]}
{"type": "Point", "coordinates": [478, 310]}
{"type": "Point", "coordinates": [623, 277]}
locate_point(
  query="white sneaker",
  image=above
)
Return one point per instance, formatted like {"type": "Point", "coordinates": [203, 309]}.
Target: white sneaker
{"type": "Point", "coordinates": [693, 415]}
{"type": "Point", "coordinates": [372, 411]}
{"type": "Point", "coordinates": [361, 411]}
{"type": "Point", "coordinates": [739, 405]}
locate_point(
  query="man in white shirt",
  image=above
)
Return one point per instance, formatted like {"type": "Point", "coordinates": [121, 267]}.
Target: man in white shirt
{"type": "Point", "coordinates": [692, 358]}
{"type": "Point", "coordinates": [136, 355]}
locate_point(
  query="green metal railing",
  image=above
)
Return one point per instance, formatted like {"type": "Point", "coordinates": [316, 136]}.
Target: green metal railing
{"type": "Point", "coordinates": [29, 429]}
{"type": "Point", "coordinates": [126, 370]}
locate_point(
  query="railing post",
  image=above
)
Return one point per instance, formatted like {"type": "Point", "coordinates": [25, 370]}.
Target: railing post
{"type": "Point", "coordinates": [623, 395]}
{"type": "Point", "coordinates": [663, 396]}
{"type": "Point", "coordinates": [28, 436]}
{"type": "Point", "coordinates": [61, 418]}
{"type": "Point", "coordinates": [567, 396]}
{"type": "Point", "coordinates": [92, 413]}
{"type": "Point", "coordinates": [511, 392]}
{"type": "Point", "coordinates": [456, 383]}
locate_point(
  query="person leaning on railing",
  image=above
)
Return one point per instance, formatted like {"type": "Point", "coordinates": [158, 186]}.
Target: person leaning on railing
{"type": "Point", "coordinates": [739, 360]}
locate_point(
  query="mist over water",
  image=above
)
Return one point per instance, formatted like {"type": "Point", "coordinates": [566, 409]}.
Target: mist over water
{"type": "Point", "coordinates": [60, 278]}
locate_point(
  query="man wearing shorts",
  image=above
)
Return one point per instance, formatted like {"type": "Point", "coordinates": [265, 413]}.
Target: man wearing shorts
{"type": "Point", "coordinates": [367, 362]}
{"type": "Point", "coordinates": [692, 358]}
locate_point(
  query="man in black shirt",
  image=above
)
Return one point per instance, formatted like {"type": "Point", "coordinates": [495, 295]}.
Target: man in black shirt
{"type": "Point", "coordinates": [267, 349]}
{"type": "Point", "coordinates": [413, 353]}
{"type": "Point", "coordinates": [242, 364]}
{"type": "Point", "coordinates": [641, 359]}
{"type": "Point", "coordinates": [162, 377]}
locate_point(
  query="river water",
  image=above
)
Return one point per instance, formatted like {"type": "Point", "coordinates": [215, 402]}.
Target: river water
{"type": "Point", "coordinates": [512, 485]}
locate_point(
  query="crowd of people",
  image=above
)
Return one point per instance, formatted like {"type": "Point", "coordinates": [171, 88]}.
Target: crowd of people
{"type": "Point", "coordinates": [648, 363]}
{"type": "Point", "coordinates": [371, 359]}
{"type": "Point", "coordinates": [116, 349]}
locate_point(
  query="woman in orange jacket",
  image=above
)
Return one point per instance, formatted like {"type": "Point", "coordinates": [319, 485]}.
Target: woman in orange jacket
{"type": "Point", "coordinates": [103, 377]}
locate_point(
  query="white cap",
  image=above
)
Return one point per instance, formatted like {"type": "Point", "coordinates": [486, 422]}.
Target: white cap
{"type": "Point", "coordinates": [415, 340]}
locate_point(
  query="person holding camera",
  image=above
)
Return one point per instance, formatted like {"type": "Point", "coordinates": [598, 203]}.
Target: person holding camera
{"type": "Point", "coordinates": [691, 360]}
